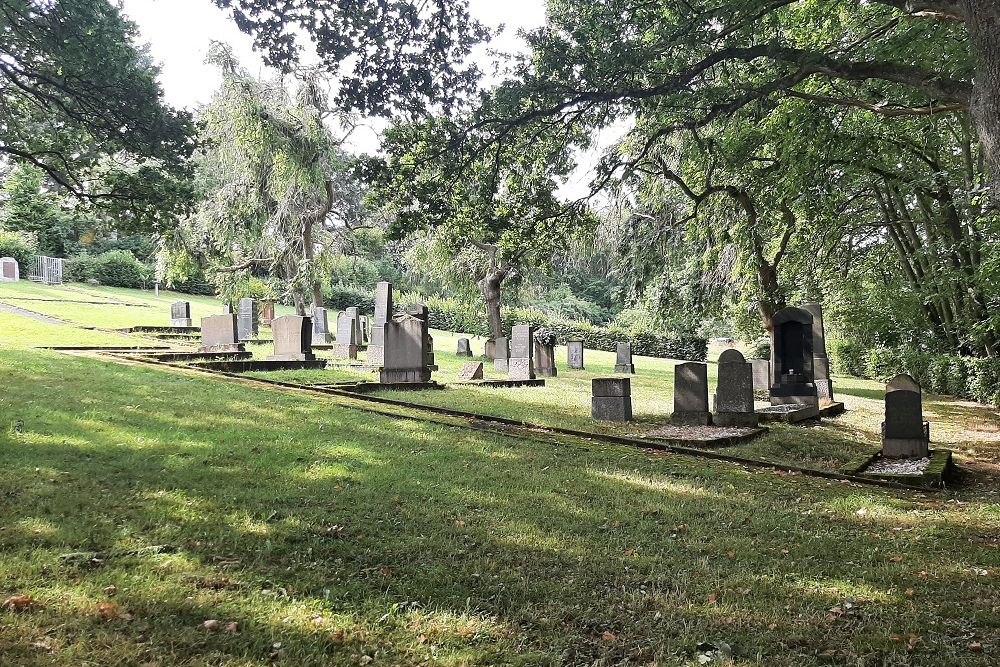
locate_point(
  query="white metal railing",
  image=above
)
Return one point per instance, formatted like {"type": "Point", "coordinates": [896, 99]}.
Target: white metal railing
{"type": "Point", "coordinates": [46, 270]}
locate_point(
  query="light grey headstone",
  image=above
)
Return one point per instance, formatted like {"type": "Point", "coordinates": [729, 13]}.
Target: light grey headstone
{"type": "Point", "coordinates": [180, 314]}
{"type": "Point", "coordinates": [9, 269]}
{"type": "Point", "coordinates": [574, 354]}
{"type": "Point", "coordinates": [472, 370]}
{"type": "Point", "coordinates": [292, 338]}
{"type": "Point", "coordinates": [218, 333]}
{"type": "Point", "coordinates": [623, 358]}
{"type": "Point", "coordinates": [501, 350]}
{"type": "Point", "coordinates": [761, 374]}
{"type": "Point", "coordinates": [522, 343]}
{"type": "Point", "coordinates": [247, 319]}
{"type": "Point", "coordinates": [734, 392]}
{"type": "Point", "coordinates": [321, 327]}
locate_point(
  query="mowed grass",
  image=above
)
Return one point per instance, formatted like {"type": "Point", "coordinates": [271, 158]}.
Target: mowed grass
{"type": "Point", "coordinates": [334, 537]}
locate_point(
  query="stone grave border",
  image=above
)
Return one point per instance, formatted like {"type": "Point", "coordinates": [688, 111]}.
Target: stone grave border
{"type": "Point", "coordinates": [941, 466]}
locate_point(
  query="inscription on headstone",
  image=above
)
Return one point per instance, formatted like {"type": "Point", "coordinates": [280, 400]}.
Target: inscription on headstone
{"type": "Point", "coordinates": [247, 322]}
{"type": "Point", "coordinates": [180, 314]}
{"type": "Point", "coordinates": [521, 365]}
{"type": "Point", "coordinates": [574, 354]}
{"type": "Point", "coordinates": [9, 269]}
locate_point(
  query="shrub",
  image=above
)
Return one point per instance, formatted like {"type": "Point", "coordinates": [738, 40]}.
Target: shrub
{"type": "Point", "coordinates": [849, 358]}
{"type": "Point", "coordinates": [342, 296]}
{"type": "Point", "coordinates": [115, 268]}
{"type": "Point", "coordinates": [760, 349]}
{"type": "Point", "coordinates": [20, 246]}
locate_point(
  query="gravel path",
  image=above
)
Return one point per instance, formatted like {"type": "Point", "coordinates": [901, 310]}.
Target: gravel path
{"type": "Point", "coordinates": [30, 314]}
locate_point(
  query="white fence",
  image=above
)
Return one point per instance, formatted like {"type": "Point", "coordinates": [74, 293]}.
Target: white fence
{"type": "Point", "coordinates": [46, 270]}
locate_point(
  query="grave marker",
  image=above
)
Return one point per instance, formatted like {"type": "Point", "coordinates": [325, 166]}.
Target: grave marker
{"type": "Point", "coordinates": [292, 338]}
{"type": "Point", "coordinates": [623, 359]}
{"type": "Point", "coordinates": [821, 363]}
{"type": "Point", "coordinates": [761, 374]}
{"type": "Point", "coordinates": [464, 348]}
{"type": "Point", "coordinates": [691, 395]}
{"type": "Point", "coordinates": [501, 354]}
{"type": "Point", "coordinates": [218, 334]}
{"type": "Point", "coordinates": [792, 358]}
{"type": "Point", "coordinates": [574, 354]}
{"type": "Point", "coordinates": [180, 314]}
{"type": "Point", "coordinates": [321, 327]}
{"type": "Point", "coordinates": [346, 346]}
{"type": "Point", "coordinates": [10, 271]}
{"type": "Point", "coordinates": [267, 313]}
{"type": "Point", "coordinates": [247, 322]}
{"type": "Point", "coordinates": [472, 370]}
{"type": "Point", "coordinates": [521, 365]}
{"type": "Point", "coordinates": [546, 354]}
{"type": "Point", "coordinates": [904, 431]}
{"type": "Point", "coordinates": [611, 399]}
{"type": "Point", "coordinates": [734, 391]}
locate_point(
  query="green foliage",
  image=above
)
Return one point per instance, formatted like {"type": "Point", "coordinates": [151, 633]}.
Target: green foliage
{"type": "Point", "coordinates": [20, 246]}
{"type": "Point", "coordinates": [339, 297]}
{"type": "Point", "coordinates": [30, 208]}
{"type": "Point", "coordinates": [848, 357]}
{"type": "Point", "coordinates": [560, 301]}
{"type": "Point", "coordinates": [760, 349]}
{"type": "Point", "coordinates": [115, 268]}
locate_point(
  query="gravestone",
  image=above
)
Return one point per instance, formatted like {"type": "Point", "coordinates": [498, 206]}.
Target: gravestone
{"type": "Point", "coordinates": [546, 356]}
{"type": "Point", "coordinates": [490, 350]}
{"type": "Point", "coordinates": [365, 326]}
{"type": "Point", "coordinates": [227, 308]}
{"type": "Point", "coordinates": [792, 358]}
{"type": "Point", "coordinates": [422, 313]}
{"type": "Point", "coordinates": [180, 314]}
{"type": "Point", "coordinates": [734, 391]}
{"type": "Point", "coordinates": [761, 374]}
{"type": "Point", "coordinates": [501, 354]}
{"type": "Point", "coordinates": [247, 322]}
{"type": "Point", "coordinates": [9, 270]}
{"type": "Point", "coordinates": [464, 348]}
{"type": "Point", "coordinates": [623, 359]}
{"type": "Point", "coordinates": [267, 313]}
{"type": "Point", "coordinates": [904, 431]}
{"type": "Point", "coordinates": [321, 327]}
{"type": "Point", "coordinates": [218, 334]}
{"type": "Point", "coordinates": [292, 338]}
{"type": "Point", "coordinates": [691, 395]}
{"type": "Point", "coordinates": [472, 370]}
{"type": "Point", "coordinates": [521, 365]}
{"type": "Point", "coordinates": [346, 346]}
{"type": "Point", "coordinates": [821, 363]}
{"type": "Point", "coordinates": [611, 399]}
{"type": "Point", "coordinates": [383, 314]}
{"type": "Point", "coordinates": [355, 316]}
{"type": "Point", "coordinates": [405, 351]}
{"type": "Point", "coordinates": [574, 354]}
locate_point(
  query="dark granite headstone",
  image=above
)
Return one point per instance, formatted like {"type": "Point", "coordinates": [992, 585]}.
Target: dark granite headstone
{"type": "Point", "coordinates": [623, 359]}
{"type": "Point", "coordinates": [321, 327]}
{"type": "Point", "coordinates": [904, 432]}
{"type": "Point", "coordinates": [247, 322]}
{"type": "Point", "coordinates": [611, 399]}
{"type": "Point", "coordinates": [383, 313]}
{"type": "Point", "coordinates": [218, 334]}
{"type": "Point", "coordinates": [464, 348]}
{"type": "Point", "coordinates": [574, 354]}
{"type": "Point", "coordinates": [365, 325]}
{"type": "Point", "coordinates": [521, 365]}
{"type": "Point", "coordinates": [180, 314]}
{"type": "Point", "coordinates": [472, 370]}
{"type": "Point", "coordinates": [545, 354]}
{"type": "Point", "coordinates": [821, 363]}
{"type": "Point", "coordinates": [292, 338]}
{"type": "Point", "coordinates": [734, 391]}
{"type": "Point", "coordinates": [691, 395]}
{"type": "Point", "coordinates": [792, 358]}
{"type": "Point", "coordinates": [501, 352]}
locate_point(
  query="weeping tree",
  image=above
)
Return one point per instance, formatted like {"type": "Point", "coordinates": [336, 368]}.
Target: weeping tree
{"type": "Point", "coordinates": [273, 181]}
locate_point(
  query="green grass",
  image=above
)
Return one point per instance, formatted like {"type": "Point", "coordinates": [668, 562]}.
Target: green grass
{"type": "Point", "coordinates": [332, 536]}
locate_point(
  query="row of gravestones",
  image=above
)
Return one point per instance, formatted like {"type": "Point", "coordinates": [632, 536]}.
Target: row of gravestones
{"type": "Point", "coordinates": [541, 356]}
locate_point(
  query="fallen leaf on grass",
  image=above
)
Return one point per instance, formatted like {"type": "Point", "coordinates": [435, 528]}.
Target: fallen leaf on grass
{"type": "Point", "coordinates": [110, 590]}
{"type": "Point", "coordinates": [210, 624]}
{"type": "Point", "coordinates": [232, 627]}
{"type": "Point", "coordinates": [731, 554]}
{"type": "Point", "coordinates": [337, 636]}
{"type": "Point", "coordinates": [20, 603]}
{"type": "Point", "coordinates": [713, 598]}
{"type": "Point", "coordinates": [896, 558]}
{"type": "Point", "coordinates": [975, 646]}
{"type": "Point", "coordinates": [108, 611]}
{"type": "Point", "coordinates": [608, 636]}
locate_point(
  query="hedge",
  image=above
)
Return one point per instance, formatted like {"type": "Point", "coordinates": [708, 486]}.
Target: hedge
{"type": "Point", "coordinates": [115, 268]}
{"type": "Point", "coordinates": [20, 246]}
{"type": "Point", "coordinates": [965, 377]}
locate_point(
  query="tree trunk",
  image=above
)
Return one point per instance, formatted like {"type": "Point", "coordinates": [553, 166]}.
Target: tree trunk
{"type": "Point", "coordinates": [983, 23]}
{"type": "Point", "coordinates": [490, 286]}
{"type": "Point", "coordinates": [308, 253]}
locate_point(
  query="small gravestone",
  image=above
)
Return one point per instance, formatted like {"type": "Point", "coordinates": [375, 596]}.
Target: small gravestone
{"type": "Point", "coordinates": [611, 399]}
{"type": "Point", "coordinates": [247, 321]}
{"type": "Point", "coordinates": [321, 327]}
{"type": "Point", "coordinates": [227, 308]}
{"type": "Point", "coordinates": [490, 350]}
{"type": "Point", "coordinates": [691, 395]}
{"type": "Point", "coordinates": [501, 354]}
{"type": "Point", "coordinates": [545, 354]}
{"type": "Point", "coordinates": [365, 326]}
{"type": "Point", "coordinates": [464, 348]}
{"type": "Point", "coordinates": [761, 374]}
{"type": "Point", "coordinates": [346, 346]}
{"type": "Point", "coordinates": [180, 314]}
{"type": "Point", "coordinates": [472, 370]}
{"type": "Point", "coordinates": [623, 359]}
{"type": "Point", "coordinates": [218, 334]}
{"type": "Point", "coordinates": [792, 358]}
{"type": "Point", "coordinates": [267, 313]}
{"type": "Point", "coordinates": [292, 338]}
{"type": "Point", "coordinates": [734, 392]}
{"type": "Point", "coordinates": [904, 431]}
{"type": "Point", "coordinates": [574, 354]}
{"type": "Point", "coordinates": [9, 269]}
{"type": "Point", "coordinates": [521, 365]}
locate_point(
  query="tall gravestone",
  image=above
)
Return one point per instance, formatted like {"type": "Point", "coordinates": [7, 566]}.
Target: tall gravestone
{"type": "Point", "coordinates": [346, 346]}
{"type": "Point", "coordinates": [355, 316]}
{"type": "Point", "coordinates": [904, 431]}
{"type": "Point", "coordinates": [321, 327]}
{"type": "Point", "coordinates": [574, 354]}
{"type": "Point", "coordinates": [792, 358]}
{"type": "Point", "coordinates": [383, 314]}
{"type": "Point", "coordinates": [422, 313]}
{"type": "Point", "coordinates": [623, 359]}
{"type": "Point", "coordinates": [365, 326]}
{"type": "Point", "coordinates": [292, 338]}
{"type": "Point", "coordinates": [247, 319]}
{"type": "Point", "coordinates": [501, 354]}
{"type": "Point", "coordinates": [180, 314]}
{"type": "Point", "coordinates": [464, 348]}
{"type": "Point", "coordinates": [218, 334]}
{"type": "Point", "coordinates": [545, 354]}
{"type": "Point", "coordinates": [405, 351]}
{"type": "Point", "coordinates": [691, 395]}
{"type": "Point", "coordinates": [821, 363]}
{"type": "Point", "coordinates": [521, 365]}
{"type": "Point", "coordinates": [761, 374]}
{"type": "Point", "coordinates": [9, 269]}
{"type": "Point", "coordinates": [267, 313]}
{"type": "Point", "coordinates": [734, 391]}
{"type": "Point", "coordinates": [611, 399]}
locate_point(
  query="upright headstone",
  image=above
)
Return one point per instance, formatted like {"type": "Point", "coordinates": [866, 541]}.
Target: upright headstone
{"type": "Point", "coordinates": [218, 334]}
{"type": "Point", "coordinates": [521, 365]}
{"type": "Point", "coordinates": [346, 346]}
{"type": "Point", "coordinates": [574, 354]}
{"type": "Point", "coordinates": [9, 269]}
{"type": "Point", "coordinates": [734, 391]}
{"type": "Point", "coordinates": [501, 354]}
{"type": "Point", "coordinates": [611, 399]}
{"type": "Point", "coordinates": [180, 314]}
{"type": "Point", "coordinates": [904, 431]}
{"type": "Point", "coordinates": [365, 326]}
{"type": "Point", "coordinates": [355, 316]}
{"type": "Point", "coordinates": [247, 319]}
{"type": "Point", "coordinates": [292, 338]}
{"type": "Point", "coordinates": [623, 359]}
{"type": "Point", "coordinates": [545, 353]}
{"type": "Point", "coordinates": [691, 395]}
{"type": "Point", "coordinates": [464, 348]}
{"type": "Point", "coordinates": [792, 358]}
{"type": "Point", "coordinates": [383, 314]}
{"type": "Point", "coordinates": [321, 327]}
{"type": "Point", "coordinates": [490, 351]}
{"type": "Point", "coordinates": [761, 374]}
{"type": "Point", "coordinates": [821, 363]}
{"type": "Point", "coordinates": [472, 370]}
{"type": "Point", "coordinates": [267, 313]}
{"type": "Point", "coordinates": [405, 351]}
{"type": "Point", "coordinates": [422, 313]}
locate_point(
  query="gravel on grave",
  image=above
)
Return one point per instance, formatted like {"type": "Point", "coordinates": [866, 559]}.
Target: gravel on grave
{"type": "Point", "coordinates": [899, 466]}
{"type": "Point", "coordinates": [697, 433]}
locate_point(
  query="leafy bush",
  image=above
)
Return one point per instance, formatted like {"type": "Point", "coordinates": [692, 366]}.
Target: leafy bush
{"type": "Point", "coordinates": [760, 349]}
{"type": "Point", "coordinates": [342, 296]}
{"type": "Point", "coordinates": [20, 246]}
{"type": "Point", "coordinates": [115, 268]}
